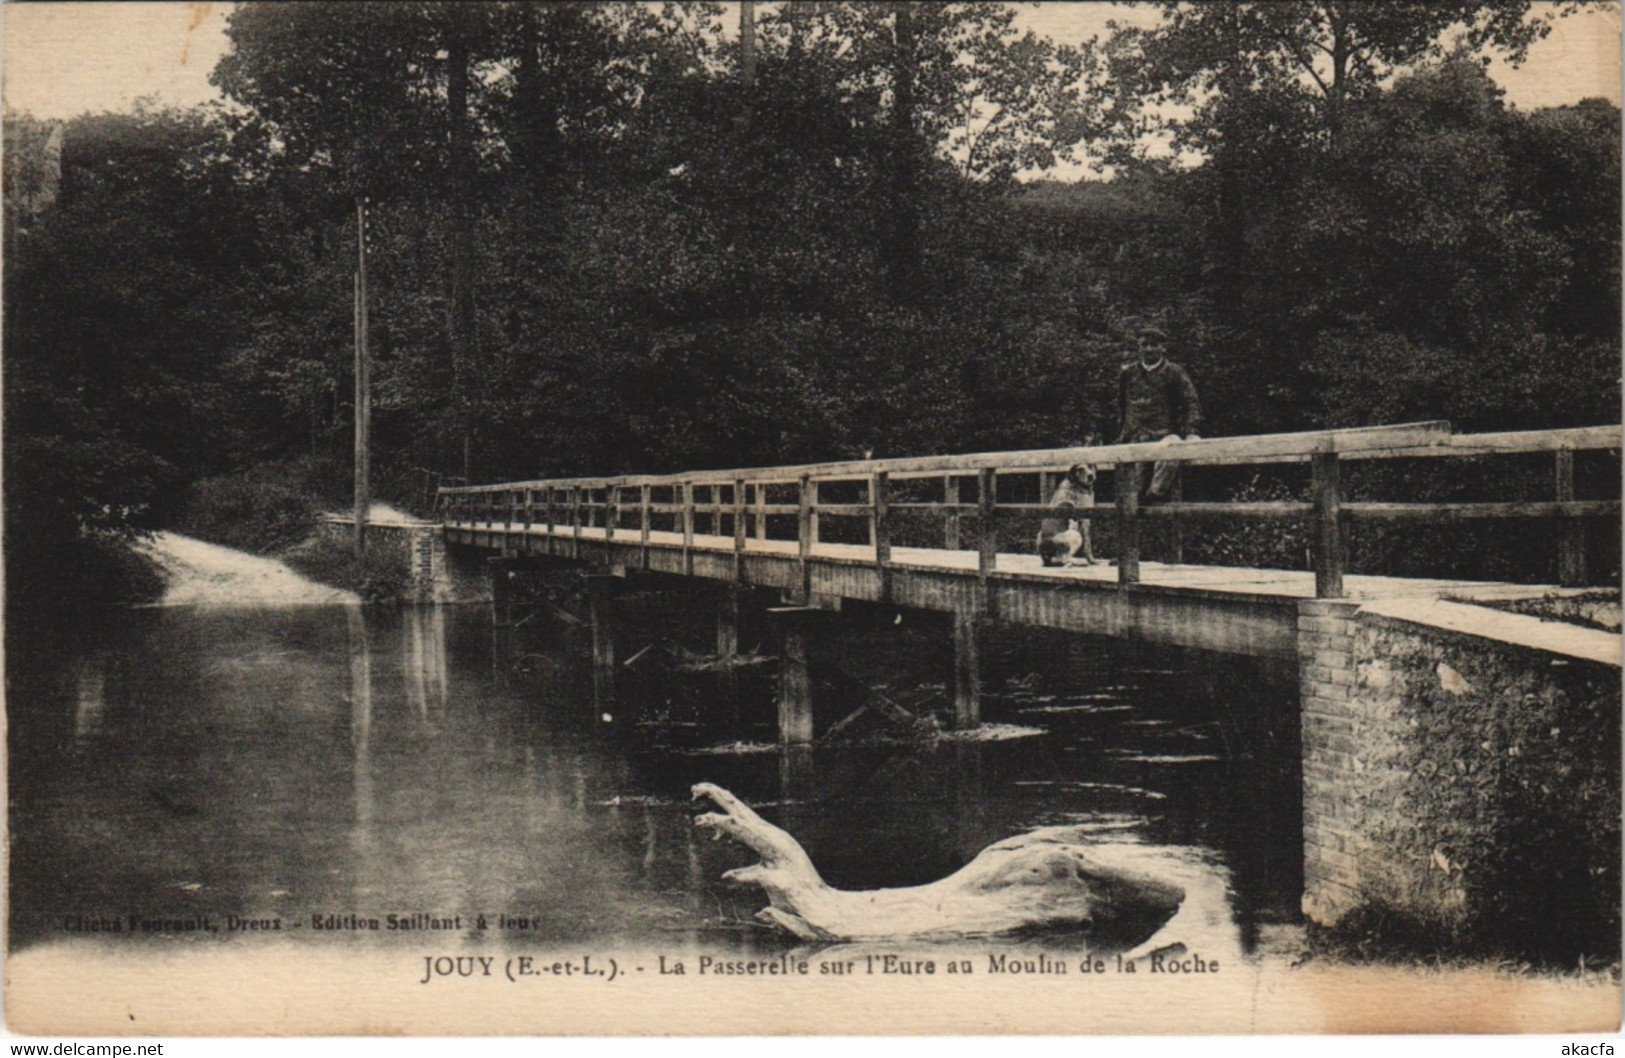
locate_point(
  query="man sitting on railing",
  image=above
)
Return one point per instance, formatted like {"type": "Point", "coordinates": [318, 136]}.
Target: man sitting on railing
{"type": "Point", "coordinates": [1157, 402]}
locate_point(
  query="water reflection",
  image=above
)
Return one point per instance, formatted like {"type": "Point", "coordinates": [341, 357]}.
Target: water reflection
{"type": "Point", "coordinates": [424, 657]}
{"type": "Point", "coordinates": [90, 685]}
{"type": "Point", "coordinates": [360, 647]}
{"type": "Point", "coordinates": [339, 762]}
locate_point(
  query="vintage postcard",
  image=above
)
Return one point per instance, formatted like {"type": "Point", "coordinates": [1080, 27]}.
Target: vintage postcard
{"type": "Point", "coordinates": [812, 519]}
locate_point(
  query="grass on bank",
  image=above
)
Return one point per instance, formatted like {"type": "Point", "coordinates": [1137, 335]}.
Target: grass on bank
{"type": "Point", "coordinates": [327, 556]}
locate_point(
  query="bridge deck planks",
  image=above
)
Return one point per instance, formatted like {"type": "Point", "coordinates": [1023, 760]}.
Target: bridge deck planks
{"type": "Point", "coordinates": [1231, 610]}
{"type": "Point", "coordinates": [1221, 580]}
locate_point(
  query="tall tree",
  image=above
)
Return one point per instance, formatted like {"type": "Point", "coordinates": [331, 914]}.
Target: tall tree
{"type": "Point", "coordinates": [120, 296]}
{"type": "Point", "coordinates": [1199, 55]}
{"type": "Point", "coordinates": [939, 99]}
{"type": "Point", "coordinates": [349, 91]}
{"type": "Point", "coordinates": [456, 30]}
{"type": "Point", "coordinates": [902, 251]}
{"type": "Point", "coordinates": [1429, 281]}
{"type": "Point", "coordinates": [1262, 96]}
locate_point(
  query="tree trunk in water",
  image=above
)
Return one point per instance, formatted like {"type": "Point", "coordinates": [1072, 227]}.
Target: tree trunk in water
{"type": "Point", "coordinates": [1029, 882]}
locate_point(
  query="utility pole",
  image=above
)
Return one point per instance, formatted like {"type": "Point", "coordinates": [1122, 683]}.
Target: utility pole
{"type": "Point", "coordinates": [363, 390]}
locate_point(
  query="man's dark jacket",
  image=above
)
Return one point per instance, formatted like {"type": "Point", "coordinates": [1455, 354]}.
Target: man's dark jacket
{"type": "Point", "coordinates": [1153, 403]}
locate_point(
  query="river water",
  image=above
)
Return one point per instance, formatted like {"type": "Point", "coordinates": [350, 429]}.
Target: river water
{"type": "Point", "coordinates": [197, 775]}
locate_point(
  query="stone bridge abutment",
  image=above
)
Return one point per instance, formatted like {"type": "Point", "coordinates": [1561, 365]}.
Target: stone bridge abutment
{"type": "Point", "coordinates": [1461, 769]}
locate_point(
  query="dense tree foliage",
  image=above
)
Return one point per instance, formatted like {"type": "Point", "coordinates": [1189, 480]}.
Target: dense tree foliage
{"type": "Point", "coordinates": [1372, 248]}
{"type": "Point", "coordinates": [120, 296]}
{"type": "Point", "coordinates": [599, 243]}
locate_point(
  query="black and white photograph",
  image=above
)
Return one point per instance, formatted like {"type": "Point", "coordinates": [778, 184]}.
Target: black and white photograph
{"type": "Point", "coordinates": [812, 519]}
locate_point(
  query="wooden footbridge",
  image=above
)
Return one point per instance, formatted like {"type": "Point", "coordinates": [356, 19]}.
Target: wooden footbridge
{"type": "Point", "coordinates": [955, 534]}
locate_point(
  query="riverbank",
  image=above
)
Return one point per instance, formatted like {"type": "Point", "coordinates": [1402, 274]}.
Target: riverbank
{"type": "Point", "coordinates": [58, 584]}
{"type": "Point", "coordinates": [328, 557]}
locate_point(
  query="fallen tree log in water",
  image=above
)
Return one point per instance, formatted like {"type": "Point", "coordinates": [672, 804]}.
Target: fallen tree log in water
{"type": "Point", "coordinates": [1024, 883]}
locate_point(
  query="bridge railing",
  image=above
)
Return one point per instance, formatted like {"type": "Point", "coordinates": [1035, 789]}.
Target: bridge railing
{"type": "Point", "coordinates": [743, 503]}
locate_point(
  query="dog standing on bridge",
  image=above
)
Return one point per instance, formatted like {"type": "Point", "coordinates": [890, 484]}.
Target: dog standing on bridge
{"type": "Point", "coordinates": [1060, 539]}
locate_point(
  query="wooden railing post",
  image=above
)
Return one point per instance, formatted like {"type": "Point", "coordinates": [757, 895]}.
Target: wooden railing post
{"type": "Point", "coordinates": [1571, 552]}
{"type": "Point", "coordinates": [1177, 527]}
{"type": "Point", "coordinates": [739, 535]}
{"type": "Point", "coordinates": [987, 552]}
{"type": "Point", "coordinates": [530, 509]}
{"type": "Point", "coordinates": [880, 528]}
{"type": "Point", "coordinates": [550, 510]}
{"type": "Point", "coordinates": [1128, 523]}
{"type": "Point", "coordinates": [688, 528]}
{"type": "Point", "coordinates": [761, 510]}
{"type": "Point", "coordinates": [804, 533]}
{"type": "Point", "coordinates": [1327, 486]}
{"type": "Point", "coordinates": [643, 521]}
{"type": "Point", "coordinates": [612, 512]}
{"type": "Point", "coordinates": [950, 528]}
{"type": "Point", "coordinates": [575, 521]}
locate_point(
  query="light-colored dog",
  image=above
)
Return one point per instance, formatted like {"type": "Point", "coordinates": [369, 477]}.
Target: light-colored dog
{"type": "Point", "coordinates": [1060, 539]}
